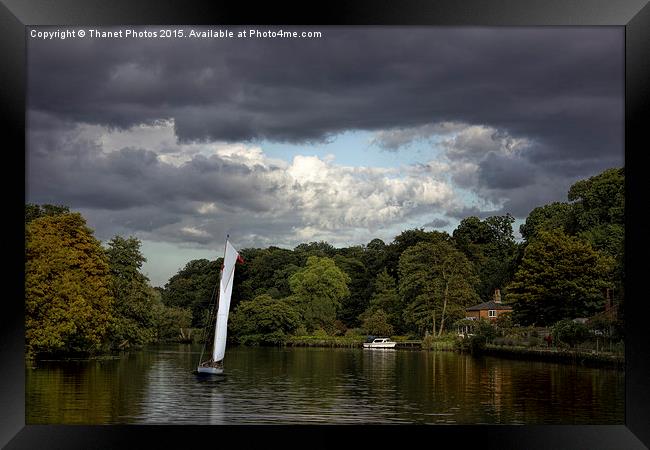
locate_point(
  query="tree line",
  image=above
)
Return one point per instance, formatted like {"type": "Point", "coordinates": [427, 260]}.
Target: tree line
{"type": "Point", "coordinates": [83, 298]}
{"type": "Point", "coordinates": [81, 295]}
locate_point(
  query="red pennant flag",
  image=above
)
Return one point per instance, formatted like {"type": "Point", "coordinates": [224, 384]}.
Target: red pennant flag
{"type": "Point", "coordinates": [240, 259]}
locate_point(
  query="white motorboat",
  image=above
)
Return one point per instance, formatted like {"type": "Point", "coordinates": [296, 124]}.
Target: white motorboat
{"type": "Point", "coordinates": [380, 343]}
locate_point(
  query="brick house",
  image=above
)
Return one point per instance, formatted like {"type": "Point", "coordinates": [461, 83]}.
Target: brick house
{"type": "Point", "coordinates": [488, 310]}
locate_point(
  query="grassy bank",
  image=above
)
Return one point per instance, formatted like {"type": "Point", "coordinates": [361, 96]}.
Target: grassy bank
{"type": "Point", "coordinates": [445, 343]}
{"type": "Point", "coordinates": [556, 355]}
{"type": "Point", "coordinates": [325, 341]}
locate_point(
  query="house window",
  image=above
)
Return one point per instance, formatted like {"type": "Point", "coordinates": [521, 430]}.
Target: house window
{"type": "Point", "coordinates": [492, 312]}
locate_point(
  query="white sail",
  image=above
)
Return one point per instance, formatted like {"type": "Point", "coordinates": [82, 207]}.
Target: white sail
{"type": "Point", "coordinates": [225, 291]}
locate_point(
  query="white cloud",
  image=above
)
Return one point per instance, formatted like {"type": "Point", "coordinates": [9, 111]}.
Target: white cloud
{"type": "Point", "coordinates": [196, 192]}
{"type": "Point", "coordinates": [194, 232]}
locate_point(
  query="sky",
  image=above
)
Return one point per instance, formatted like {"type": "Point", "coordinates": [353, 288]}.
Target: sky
{"type": "Point", "coordinates": [359, 134]}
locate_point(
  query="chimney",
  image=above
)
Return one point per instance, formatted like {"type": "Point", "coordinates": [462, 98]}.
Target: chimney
{"type": "Point", "coordinates": [497, 296]}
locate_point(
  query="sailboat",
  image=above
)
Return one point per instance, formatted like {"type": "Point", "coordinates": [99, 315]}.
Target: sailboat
{"type": "Point", "coordinates": [214, 364]}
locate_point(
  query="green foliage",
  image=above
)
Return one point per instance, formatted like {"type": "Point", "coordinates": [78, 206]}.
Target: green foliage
{"type": "Point", "coordinates": [599, 199]}
{"type": "Point", "coordinates": [559, 277]}
{"type": "Point", "coordinates": [482, 333]}
{"type": "Point", "coordinates": [377, 324]}
{"type": "Point", "coordinates": [554, 216]}
{"type": "Point", "coordinates": [318, 289]}
{"type": "Point", "coordinates": [485, 329]}
{"type": "Point", "coordinates": [570, 332]}
{"type": "Point", "coordinates": [68, 302]}
{"type": "Point", "coordinates": [33, 211]}
{"type": "Point", "coordinates": [321, 249]}
{"type": "Point", "coordinates": [169, 321]}
{"type": "Point", "coordinates": [300, 331]}
{"type": "Point", "coordinates": [407, 239]}
{"type": "Point", "coordinates": [491, 247]}
{"type": "Point", "coordinates": [133, 315]}
{"type": "Point", "coordinates": [436, 284]}
{"type": "Point", "coordinates": [192, 288]}
{"type": "Point", "coordinates": [267, 271]}
{"type": "Point", "coordinates": [387, 299]}
{"type": "Point", "coordinates": [359, 285]}
{"type": "Point", "coordinates": [374, 257]}
{"type": "Point", "coordinates": [504, 321]}
{"type": "Point", "coordinates": [263, 320]}
{"type": "Point", "coordinates": [320, 332]}
{"type": "Point", "coordinates": [599, 216]}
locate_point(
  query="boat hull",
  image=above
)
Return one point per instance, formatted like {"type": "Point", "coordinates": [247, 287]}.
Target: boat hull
{"type": "Point", "coordinates": [209, 370]}
{"type": "Point", "coordinates": [380, 345]}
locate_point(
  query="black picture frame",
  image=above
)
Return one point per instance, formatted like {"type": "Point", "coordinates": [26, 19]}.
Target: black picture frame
{"type": "Point", "coordinates": [634, 15]}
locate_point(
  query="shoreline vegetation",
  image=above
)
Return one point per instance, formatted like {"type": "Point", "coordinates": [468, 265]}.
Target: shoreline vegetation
{"type": "Point", "coordinates": [563, 281]}
{"type": "Point", "coordinates": [449, 343]}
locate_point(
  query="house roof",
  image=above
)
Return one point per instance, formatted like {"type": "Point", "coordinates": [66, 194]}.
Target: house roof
{"type": "Point", "coordinates": [488, 305]}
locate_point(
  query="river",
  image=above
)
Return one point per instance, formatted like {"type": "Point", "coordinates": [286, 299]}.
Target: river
{"type": "Point", "coordinates": [320, 385]}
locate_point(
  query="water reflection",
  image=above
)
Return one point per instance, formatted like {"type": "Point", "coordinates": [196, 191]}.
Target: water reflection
{"type": "Point", "coordinates": [321, 385]}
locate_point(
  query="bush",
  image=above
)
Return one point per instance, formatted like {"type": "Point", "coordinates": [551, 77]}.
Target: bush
{"type": "Point", "coordinates": [354, 332]}
{"type": "Point", "coordinates": [476, 343]}
{"type": "Point", "coordinates": [320, 332]}
{"type": "Point", "coordinates": [377, 324]}
{"type": "Point", "coordinates": [427, 341]}
{"type": "Point", "coordinates": [300, 331]}
{"type": "Point", "coordinates": [569, 332]}
{"type": "Point", "coordinates": [339, 328]}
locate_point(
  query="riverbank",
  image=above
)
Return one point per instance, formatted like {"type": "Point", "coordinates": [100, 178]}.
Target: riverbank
{"type": "Point", "coordinates": [585, 358]}
{"type": "Point", "coordinates": [403, 343]}
{"type": "Point", "coordinates": [325, 341]}
{"type": "Point", "coordinates": [591, 359]}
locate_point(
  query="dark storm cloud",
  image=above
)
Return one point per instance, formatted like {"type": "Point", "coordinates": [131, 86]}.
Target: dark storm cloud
{"type": "Point", "coordinates": [522, 113]}
{"type": "Point", "coordinates": [63, 166]}
{"type": "Point", "coordinates": [500, 172]}
{"type": "Point", "coordinates": [559, 86]}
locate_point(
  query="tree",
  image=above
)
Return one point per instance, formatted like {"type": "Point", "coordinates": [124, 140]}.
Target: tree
{"type": "Point", "coordinates": [599, 215]}
{"type": "Point", "coordinates": [318, 290]}
{"type": "Point", "coordinates": [193, 287]}
{"type": "Point", "coordinates": [491, 247]}
{"type": "Point", "coordinates": [33, 211]}
{"type": "Point", "coordinates": [560, 277]}
{"type": "Point", "coordinates": [357, 301]}
{"type": "Point", "coordinates": [436, 284]}
{"type": "Point", "coordinates": [599, 199]}
{"type": "Point", "coordinates": [67, 286]}
{"type": "Point", "coordinates": [387, 299]}
{"type": "Point", "coordinates": [134, 299]}
{"type": "Point", "coordinates": [407, 239]}
{"type": "Point", "coordinates": [168, 322]}
{"type": "Point", "coordinates": [321, 249]}
{"type": "Point", "coordinates": [376, 323]}
{"type": "Point", "coordinates": [263, 320]}
{"type": "Point", "coordinates": [267, 271]}
{"type": "Point", "coordinates": [554, 216]}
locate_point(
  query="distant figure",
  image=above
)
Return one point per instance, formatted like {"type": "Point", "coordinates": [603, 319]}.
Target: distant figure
{"type": "Point", "coordinates": [549, 340]}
